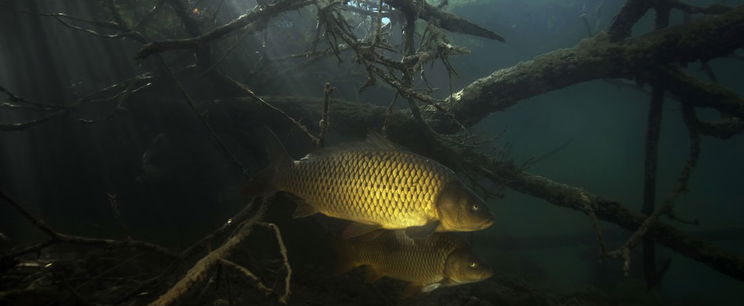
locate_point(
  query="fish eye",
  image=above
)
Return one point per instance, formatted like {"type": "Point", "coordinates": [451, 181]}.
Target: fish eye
{"type": "Point", "coordinates": [473, 265]}
{"type": "Point", "coordinates": [475, 207]}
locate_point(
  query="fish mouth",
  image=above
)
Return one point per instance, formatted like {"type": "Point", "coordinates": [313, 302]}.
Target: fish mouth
{"type": "Point", "coordinates": [487, 223]}
{"type": "Point", "coordinates": [488, 274]}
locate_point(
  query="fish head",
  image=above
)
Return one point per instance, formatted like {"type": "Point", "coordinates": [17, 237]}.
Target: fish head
{"type": "Point", "coordinates": [463, 267]}
{"type": "Point", "coordinates": [461, 210]}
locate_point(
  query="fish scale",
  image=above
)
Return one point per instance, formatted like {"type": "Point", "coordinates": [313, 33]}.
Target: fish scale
{"type": "Point", "coordinates": [393, 255]}
{"type": "Point", "coordinates": [394, 189]}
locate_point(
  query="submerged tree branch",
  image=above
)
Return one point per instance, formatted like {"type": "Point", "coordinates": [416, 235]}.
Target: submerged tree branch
{"type": "Point", "coordinates": [197, 273]}
{"type": "Point", "coordinates": [575, 198]}
{"type": "Point", "coordinates": [17, 126]}
{"type": "Point", "coordinates": [704, 94]}
{"type": "Point", "coordinates": [57, 237]}
{"type": "Point", "coordinates": [634, 10]}
{"type": "Point", "coordinates": [598, 58]}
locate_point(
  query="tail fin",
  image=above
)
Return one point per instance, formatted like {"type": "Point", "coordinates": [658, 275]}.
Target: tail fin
{"type": "Point", "coordinates": [264, 182]}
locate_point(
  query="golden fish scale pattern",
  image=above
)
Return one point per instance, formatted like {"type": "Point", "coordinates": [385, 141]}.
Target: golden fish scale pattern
{"type": "Point", "coordinates": [392, 188]}
{"type": "Point", "coordinates": [422, 262]}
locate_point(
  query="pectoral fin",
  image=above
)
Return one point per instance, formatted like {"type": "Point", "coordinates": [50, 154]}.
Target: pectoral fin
{"type": "Point", "coordinates": [430, 287]}
{"type": "Point", "coordinates": [372, 275]}
{"type": "Point", "coordinates": [358, 229]}
{"type": "Point", "coordinates": [411, 290]}
{"type": "Point", "coordinates": [303, 210]}
{"type": "Point", "coordinates": [370, 236]}
{"type": "Point", "coordinates": [420, 232]}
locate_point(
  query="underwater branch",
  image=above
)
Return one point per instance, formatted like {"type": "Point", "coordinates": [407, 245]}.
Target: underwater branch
{"type": "Point", "coordinates": [599, 58]}
{"type": "Point", "coordinates": [220, 255]}
{"type": "Point", "coordinates": [56, 237]}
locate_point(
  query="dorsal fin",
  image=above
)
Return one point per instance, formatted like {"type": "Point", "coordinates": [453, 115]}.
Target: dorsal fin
{"type": "Point", "coordinates": [374, 142]}
{"type": "Point", "coordinates": [304, 209]}
{"type": "Point", "coordinates": [378, 141]}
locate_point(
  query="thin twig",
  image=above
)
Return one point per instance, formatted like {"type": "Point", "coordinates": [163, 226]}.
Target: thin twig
{"type": "Point", "coordinates": [327, 92]}
{"type": "Point", "coordinates": [680, 187]}
{"type": "Point", "coordinates": [16, 126]}
{"type": "Point", "coordinates": [294, 121]}
{"type": "Point", "coordinates": [57, 237]}
{"type": "Point", "coordinates": [249, 274]}
{"type": "Point", "coordinates": [15, 99]}
{"type": "Point", "coordinates": [595, 223]}
{"type": "Point", "coordinates": [283, 250]}
{"type": "Point", "coordinates": [389, 112]}
{"type": "Point", "coordinates": [205, 121]}
{"type": "Point", "coordinates": [41, 225]}
{"type": "Point", "coordinates": [124, 34]}
{"type": "Point", "coordinates": [258, 17]}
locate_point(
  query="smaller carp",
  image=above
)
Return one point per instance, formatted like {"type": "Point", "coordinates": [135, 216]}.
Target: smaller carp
{"type": "Point", "coordinates": [441, 260]}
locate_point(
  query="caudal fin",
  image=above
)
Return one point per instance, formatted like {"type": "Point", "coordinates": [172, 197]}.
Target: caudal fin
{"type": "Point", "coordinates": [265, 181]}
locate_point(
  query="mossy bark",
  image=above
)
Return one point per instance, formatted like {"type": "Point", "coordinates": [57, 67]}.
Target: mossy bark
{"type": "Point", "coordinates": [599, 58]}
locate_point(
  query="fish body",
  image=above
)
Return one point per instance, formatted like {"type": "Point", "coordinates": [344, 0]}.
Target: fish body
{"type": "Point", "coordinates": [377, 186]}
{"type": "Point", "coordinates": [394, 189]}
{"type": "Point", "coordinates": [441, 260]}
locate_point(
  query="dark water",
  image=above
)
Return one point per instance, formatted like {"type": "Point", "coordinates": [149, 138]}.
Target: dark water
{"type": "Point", "coordinates": [173, 184]}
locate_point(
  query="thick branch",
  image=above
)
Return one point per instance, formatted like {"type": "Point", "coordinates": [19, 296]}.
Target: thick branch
{"type": "Point", "coordinates": [704, 94]}
{"type": "Point", "coordinates": [598, 58]}
{"type": "Point", "coordinates": [689, 90]}
{"type": "Point", "coordinates": [631, 12]}
{"type": "Point", "coordinates": [653, 132]}
{"type": "Point", "coordinates": [722, 128]}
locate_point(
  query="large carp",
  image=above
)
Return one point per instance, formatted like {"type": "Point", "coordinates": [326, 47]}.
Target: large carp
{"type": "Point", "coordinates": [375, 185]}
